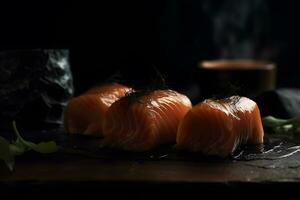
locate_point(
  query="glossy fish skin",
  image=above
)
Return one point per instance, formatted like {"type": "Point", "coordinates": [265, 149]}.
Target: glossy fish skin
{"type": "Point", "coordinates": [85, 114]}
{"type": "Point", "coordinates": [145, 122]}
{"type": "Point", "coordinates": [109, 93]}
{"type": "Point", "coordinates": [218, 127]}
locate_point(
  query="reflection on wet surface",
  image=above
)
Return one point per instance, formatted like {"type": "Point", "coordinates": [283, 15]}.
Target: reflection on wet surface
{"type": "Point", "coordinates": [278, 151]}
{"type": "Point", "coordinates": [275, 147]}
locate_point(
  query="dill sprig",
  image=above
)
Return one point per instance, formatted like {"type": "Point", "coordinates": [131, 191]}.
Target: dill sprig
{"type": "Point", "coordinates": [232, 100]}
{"type": "Point", "coordinates": [158, 82]}
{"type": "Point", "coordinates": [114, 78]}
{"type": "Point", "coordinates": [228, 91]}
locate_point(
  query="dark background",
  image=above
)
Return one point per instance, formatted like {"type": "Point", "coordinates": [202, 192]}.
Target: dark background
{"type": "Point", "coordinates": [128, 39]}
{"type": "Point", "coordinates": [132, 38]}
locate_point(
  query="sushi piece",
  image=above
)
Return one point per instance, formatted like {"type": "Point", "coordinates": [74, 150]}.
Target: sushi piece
{"type": "Point", "coordinates": [85, 114]}
{"type": "Point", "coordinates": [218, 127]}
{"type": "Point", "coordinates": [140, 122]}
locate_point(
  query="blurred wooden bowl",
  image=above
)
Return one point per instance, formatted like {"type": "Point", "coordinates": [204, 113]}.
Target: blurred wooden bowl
{"type": "Point", "coordinates": [220, 78]}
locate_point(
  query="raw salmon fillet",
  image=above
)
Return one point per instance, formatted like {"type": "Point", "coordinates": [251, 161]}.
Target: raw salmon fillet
{"type": "Point", "coordinates": [143, 122]}
{"type": "Point", "coordinates": [218, 127]}
{"type": "Point", "coordinates": [85, 114]}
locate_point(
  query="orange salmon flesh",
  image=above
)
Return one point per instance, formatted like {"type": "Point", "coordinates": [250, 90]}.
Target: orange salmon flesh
{"type": "Point", "coordinates": [218, 127]}
{"type": "Point", "coordinates": [85, 114]}
{"type": "Point", "coordinates": [145, 122]}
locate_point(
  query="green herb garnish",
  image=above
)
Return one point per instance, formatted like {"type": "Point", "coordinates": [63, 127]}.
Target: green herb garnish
{"type": "Point", "coordinates": [8, 151]}
{"type": "Point", "coordinates": [281, 125]}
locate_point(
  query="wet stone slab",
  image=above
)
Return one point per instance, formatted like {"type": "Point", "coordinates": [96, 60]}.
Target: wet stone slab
{"type": "Point", "coordinates": [278, 160]}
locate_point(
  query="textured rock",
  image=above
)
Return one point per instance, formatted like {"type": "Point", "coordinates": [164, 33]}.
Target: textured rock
{"type": "Point", "coordinates": [35, 85]}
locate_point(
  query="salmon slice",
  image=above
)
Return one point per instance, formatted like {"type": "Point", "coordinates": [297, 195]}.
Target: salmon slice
{"type": "Point", "coordinates": [218, 127]}
{"type": "Point", "coordinates": [85, 114]}
{"type": "Point", "coordinates": [141, 122]}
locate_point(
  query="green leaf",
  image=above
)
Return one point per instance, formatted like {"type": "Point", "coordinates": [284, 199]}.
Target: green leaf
{"type": "Point", "coordinates": [272, 122]}
{"type": "Point", "coordinates": [282, 125]}
{"type": "Point", "coordinates": [9, 151]}
{"type": "Point", "coordinates": [295, 121]}
{"type": "Point", "coordinates": [16, 150]}
{"type": "Point", "coordinates": [43, 147]}
{"type": "Point", "coordinates": [5, 154]}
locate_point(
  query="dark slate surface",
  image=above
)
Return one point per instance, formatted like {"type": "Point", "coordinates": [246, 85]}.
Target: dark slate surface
{"type": "Point", "coordinates": [271, 170]}
{"type": "Point", "coordinates": [277, 160]}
